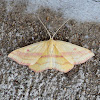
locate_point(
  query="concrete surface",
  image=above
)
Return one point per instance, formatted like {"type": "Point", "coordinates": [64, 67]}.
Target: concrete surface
{"type": "Point", "coordinates": [81, 10]}
{"type": "Point", "coordinates": [19, 28]}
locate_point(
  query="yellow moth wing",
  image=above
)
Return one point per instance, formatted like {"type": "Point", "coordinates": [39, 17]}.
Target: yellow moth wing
{"type": "Point", "coordinates": [60, 63]}
{"type": "Point", "coordinates": [28, 55]}
{"type": "Point", "coordinates": [77, 53]}
{"type": "Point", "coordinates": [52, 59]}
{"type": "Point", "coordinates": [43, 63]}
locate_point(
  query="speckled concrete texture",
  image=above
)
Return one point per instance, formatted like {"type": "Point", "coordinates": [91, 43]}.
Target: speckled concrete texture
{"type": "Point", "coordinates": [19, 28]}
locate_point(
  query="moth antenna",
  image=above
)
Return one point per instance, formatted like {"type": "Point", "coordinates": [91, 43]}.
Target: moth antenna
{"type": "Point", "coordinates": [44, 26]}
{"type": "Point", "coordinates": [60, 28]}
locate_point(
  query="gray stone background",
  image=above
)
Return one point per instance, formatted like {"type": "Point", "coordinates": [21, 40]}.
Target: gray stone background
{"type": "Point", "coordinates": [19, 28]}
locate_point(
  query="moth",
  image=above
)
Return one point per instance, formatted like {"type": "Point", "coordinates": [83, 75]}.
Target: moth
{"type": "Point", "coordinates": [51, 54]}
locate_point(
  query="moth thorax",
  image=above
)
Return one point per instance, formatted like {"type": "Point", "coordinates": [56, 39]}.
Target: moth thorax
{"type": "Point", "coordinates": [51, 47]}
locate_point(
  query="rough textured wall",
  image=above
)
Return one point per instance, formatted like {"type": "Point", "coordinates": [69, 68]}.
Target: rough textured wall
{"type": "Point", "coordinates": [17, 82]}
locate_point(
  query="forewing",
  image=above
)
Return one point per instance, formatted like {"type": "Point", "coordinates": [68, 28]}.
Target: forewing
{"type": "Point", "coordinates": [71, 51]}
{"type": "Point", "coordinates": [28, 55]}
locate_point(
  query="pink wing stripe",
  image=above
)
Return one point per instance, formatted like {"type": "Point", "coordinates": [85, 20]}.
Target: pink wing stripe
{"type": "Point", "coordinates": [42, 63]}
{"type": "Point", "coordinates": [49, 62]}
{"type": "Point", "coordinates": [63, 63]}
{"type": "Point", "coordinates": [50, 56]}
{"type": "Point", "coordinates": [78, 52]}
{"type": "Point", "coordinates": [26, 54]}
{"type": "Point", "coordinates": [34, 54]}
